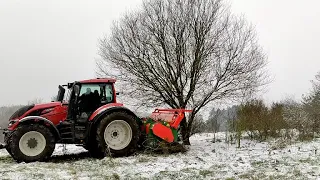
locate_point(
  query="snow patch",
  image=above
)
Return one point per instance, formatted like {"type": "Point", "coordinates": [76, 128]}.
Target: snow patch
{"type": "Point", "coordinates": [203, 160]}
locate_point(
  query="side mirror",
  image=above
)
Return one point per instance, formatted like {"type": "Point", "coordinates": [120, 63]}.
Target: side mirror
{"type": "Point", "coordinates": [60, 93]}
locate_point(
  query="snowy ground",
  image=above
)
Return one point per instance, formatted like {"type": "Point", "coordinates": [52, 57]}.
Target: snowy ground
{"type": "Point", "coordinates": [204, 160]}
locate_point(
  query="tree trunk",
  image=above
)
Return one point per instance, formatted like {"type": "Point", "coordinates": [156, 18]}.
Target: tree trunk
{"type": "Point", "coordinates": [238, 138]}
{"type": "Point", "coordinates": [186, 141]}
{"type": "Point", "coordinates": [185, 132]}
{"type": "Point", "coordinates": [226, 140]}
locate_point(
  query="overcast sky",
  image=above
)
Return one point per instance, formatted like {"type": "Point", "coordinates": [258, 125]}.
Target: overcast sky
{"type": "Point", "coordinates": [44, 43]}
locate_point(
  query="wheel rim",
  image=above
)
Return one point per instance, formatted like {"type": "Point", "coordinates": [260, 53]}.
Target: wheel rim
{"type": "Point", "coordinates": [118, 134]}
{"type": "Point", "coordinates": [32, 143]}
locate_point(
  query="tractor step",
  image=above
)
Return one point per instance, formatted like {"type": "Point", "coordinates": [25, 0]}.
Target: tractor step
{"type": "Point", "coordinates": [66, 130]}
{"type": "Point", "coordinates": [72, 133]}
{"type": "Point", "coordinates": [80, 131]}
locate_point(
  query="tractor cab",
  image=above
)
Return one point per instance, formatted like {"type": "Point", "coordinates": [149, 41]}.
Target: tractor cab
{"type": "Point", "coordinates": [84, 97]}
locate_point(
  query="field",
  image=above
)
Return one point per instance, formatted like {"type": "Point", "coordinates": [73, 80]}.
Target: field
{"type": "Point", "coordinates": [204, 160]}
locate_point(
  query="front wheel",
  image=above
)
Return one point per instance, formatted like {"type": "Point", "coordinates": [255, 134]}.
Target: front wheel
{"type": "Point", "coordinates": [118, 134]}
{"type": "Point", "coordinates": [31, 143]}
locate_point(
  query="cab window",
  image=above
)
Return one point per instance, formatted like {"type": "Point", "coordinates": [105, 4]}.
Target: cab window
{"type": "Point", "coordinates": [109, 93]}
{"type": "Point", "coordinates": [103, 91]}
{"type": "Point", "coordinates": [90, 88]}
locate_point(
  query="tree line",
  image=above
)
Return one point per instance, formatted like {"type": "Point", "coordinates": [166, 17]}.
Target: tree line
{"type": "Point", "coordinates": [287, 118]}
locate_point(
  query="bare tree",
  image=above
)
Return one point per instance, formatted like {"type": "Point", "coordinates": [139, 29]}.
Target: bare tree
{"type": "Point", "coordinates": [184, 54]}
{"type": "Point", "coordinates": [231, 117]}
{"type": "Point", "coordinates": [213, 124]}
{"type": "Point", "coordinates": [311, 104]}
{"type": "Point", "coordinates": [297, 118]}
{"type": "Point", "coordinates": [198, 125]}
{"type": "Point", "coordinates": [261, 121]}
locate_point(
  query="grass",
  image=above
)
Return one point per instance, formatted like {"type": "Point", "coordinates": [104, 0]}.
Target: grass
{"type": "Point", "coordinates": [188, 174]}
{"type": "Point", "coordinates": [72, 171]}
{"type": "Point", "coordinates": [143, 159]}
{"type": "Point", "coordinates": [246, 176]}
{"type": "Point", "coordinates": [205, 173]}
{"type": "Point", "coordinates": [257, 163]}
{"type": "Point", "coordinates": [109, 162]}
{"type": "Point", "coordinates": [297, 172]}
{"type": "Point", "coordinates": [188, 169]}
{"type": "Point", "coordinates": [116, 176]}
{"type": "Point", "coordinates": [38, 176]}
{"type": "Point", "coordinates": [276, 177]}
{"type": "Point", "coordinates": [226, 162]}
{"type": "Point", "coordinates": [308, 160]}
{"type": "Point", "coordinates": [6, 159]}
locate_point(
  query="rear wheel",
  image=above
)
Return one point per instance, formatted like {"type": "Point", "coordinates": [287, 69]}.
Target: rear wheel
{"type": "Point", "coordinates": [31, 143]}
{"type": "Point", "coordinates": [94, 150]}
{"type": "Point", "coordinates": [118, 134]}
{"type": "Point", "coordinates": [8, 142]}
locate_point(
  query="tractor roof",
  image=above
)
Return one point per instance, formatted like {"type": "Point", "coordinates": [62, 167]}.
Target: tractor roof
{"type": "Point", "coordinates": [98, 80]}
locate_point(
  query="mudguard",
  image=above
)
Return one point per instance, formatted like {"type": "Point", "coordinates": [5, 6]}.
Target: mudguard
{"type": "Point", "coordinates": [37, 119]}
{"type": "Point", "coordinates": [102, 109]}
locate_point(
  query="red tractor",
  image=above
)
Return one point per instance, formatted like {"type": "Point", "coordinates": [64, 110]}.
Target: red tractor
{"type": "Point", "coordinates": [88, 115]}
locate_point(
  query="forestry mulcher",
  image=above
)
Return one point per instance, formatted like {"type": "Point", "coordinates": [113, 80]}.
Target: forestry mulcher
{"type": "Point", "coordinates": [87, 113]}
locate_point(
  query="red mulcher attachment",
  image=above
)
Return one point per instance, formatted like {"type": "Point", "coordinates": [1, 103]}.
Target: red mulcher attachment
{"type": "Point", "coordinates": [172, 116]}
{"type": "Point", "coordinates": [164, 123]}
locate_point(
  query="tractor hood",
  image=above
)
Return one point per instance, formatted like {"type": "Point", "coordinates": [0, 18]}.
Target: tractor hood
{"type": "Point", "coordinates": [33, 109]}
{"type": "Point", "coordinates": [47, 105]}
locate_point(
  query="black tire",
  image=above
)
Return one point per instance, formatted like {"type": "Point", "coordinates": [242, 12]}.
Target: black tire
{"type": "Point", "coordinates": [8, 142]}
{"type": "Point", "coordinates": [131, 147]}
{"type": "Point", "coordinates": [94, 150]}
{"type": "Point", "coordinates": [16, 135]}
{"type": "Point", "coordinates": [9, 150]}
{"type": "Point", "coordinates": [142, 140]}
